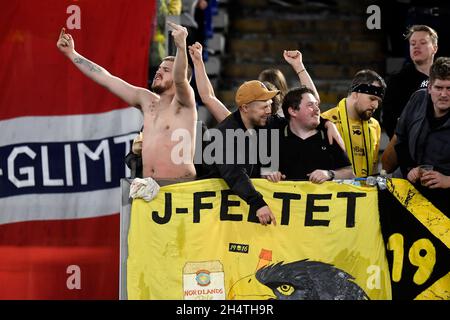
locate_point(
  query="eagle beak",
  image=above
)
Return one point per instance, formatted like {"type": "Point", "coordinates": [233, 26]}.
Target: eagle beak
{"type": "Point", "coordinates": [249, 288]}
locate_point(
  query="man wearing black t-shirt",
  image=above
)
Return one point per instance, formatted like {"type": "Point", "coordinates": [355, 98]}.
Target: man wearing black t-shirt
{"type": "Point", "coordinates": [304, 152]}
{"type": "Point", "coordinates": [254, 121]}
{"type": "Point", "coordinates": [423, 45]}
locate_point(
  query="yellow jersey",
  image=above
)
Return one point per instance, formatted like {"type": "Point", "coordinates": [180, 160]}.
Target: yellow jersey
{"type": "Point", "coordinates": [362, 139]}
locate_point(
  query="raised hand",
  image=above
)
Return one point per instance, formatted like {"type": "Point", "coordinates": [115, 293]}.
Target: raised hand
{"type": "Point", "coordinates": [195, 51]}
{"type": "Point", "coordinates": [293, 57]}
{"type": "Point", "coordinates": [65, 42]}
{"type": "Point", "coordinates": [179, 34]}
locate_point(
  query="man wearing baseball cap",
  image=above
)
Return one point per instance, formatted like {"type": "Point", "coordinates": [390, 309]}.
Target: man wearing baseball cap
{"type": "Point", "coordinates": [254, 102]}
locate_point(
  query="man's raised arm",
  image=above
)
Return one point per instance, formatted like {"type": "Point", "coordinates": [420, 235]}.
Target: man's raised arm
{"type": "Point", "coordinates": [134, 96]}
{"type": "Point", "coordinates": [184, 94]}
{"type": "Point", "coordinates": [204, 86]}
{"type": "Point", "coordinates": [295, 59]}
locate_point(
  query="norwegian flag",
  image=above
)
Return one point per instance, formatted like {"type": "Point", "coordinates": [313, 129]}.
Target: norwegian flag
{"type": "Point", "coordinates": [63, 140]}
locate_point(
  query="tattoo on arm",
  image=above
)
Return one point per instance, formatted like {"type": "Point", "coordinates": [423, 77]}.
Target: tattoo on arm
{"type": "Point", "coordinates": [92, 67]}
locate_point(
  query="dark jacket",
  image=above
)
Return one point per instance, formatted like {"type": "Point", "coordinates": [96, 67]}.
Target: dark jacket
{"type": "Point", "coordinates": [236, 175]}
{"type": "Point", "coordinates": [418, 142]}
{"type": "Point", "coordinates": [423, 139]}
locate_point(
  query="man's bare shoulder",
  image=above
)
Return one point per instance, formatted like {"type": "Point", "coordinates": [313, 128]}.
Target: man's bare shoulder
{"type": "Point", "coordinates": [147, 96]}
{"type": "Point", "coordinates": [147, 99]}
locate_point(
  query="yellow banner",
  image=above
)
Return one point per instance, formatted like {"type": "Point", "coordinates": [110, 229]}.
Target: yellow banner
{"type": "Point", "coordinates": [420, 246]}
{"type": "Point", "coordinates": [198, 241]}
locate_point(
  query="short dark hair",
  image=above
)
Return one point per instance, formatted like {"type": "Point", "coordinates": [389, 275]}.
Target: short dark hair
{"type": "Point", "coordinates": [189, 68]}
{"type": "Point", "coordinates": [366, 76]}
{"type": "Point", "coordinates": [440, 69]}
{"type": "Point", "coordinates": [293, 98]}
{"type": "Point", "coordinates": [421, 27]}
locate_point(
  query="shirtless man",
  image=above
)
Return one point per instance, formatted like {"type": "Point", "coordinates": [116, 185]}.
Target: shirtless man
{"type": "Point", "coordinates": [171, 106]}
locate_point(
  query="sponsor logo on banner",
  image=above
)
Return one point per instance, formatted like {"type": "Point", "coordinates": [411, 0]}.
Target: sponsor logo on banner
{"type": "Point", "coordinates": [204, 281]}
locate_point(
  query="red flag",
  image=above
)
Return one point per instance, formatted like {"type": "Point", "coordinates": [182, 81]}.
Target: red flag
{"type": "Point", "coordinates": [63, 139]}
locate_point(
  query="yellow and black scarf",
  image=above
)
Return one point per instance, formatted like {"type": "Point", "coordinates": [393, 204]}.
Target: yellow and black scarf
{"type": "Point", "coordinates": [346, 136]}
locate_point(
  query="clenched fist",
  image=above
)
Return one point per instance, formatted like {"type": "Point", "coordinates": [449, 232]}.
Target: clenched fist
{"type": "Point", "coordinates": [195, 51]}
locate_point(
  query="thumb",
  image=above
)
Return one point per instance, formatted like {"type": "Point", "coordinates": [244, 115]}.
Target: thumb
{"type": "Point", "coordinates": [272, 218]}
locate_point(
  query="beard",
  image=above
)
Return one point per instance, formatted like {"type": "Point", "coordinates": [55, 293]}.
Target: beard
{"type": "Point", "coordinates": [258, 122]}
{"type": "Point", "coordinates": [365, 115]}
{"type": "Point", "coordinates": [161, 86]}
{"type": "Point", "coordinates": [261, 122]}
{"type": "Point", "coordinates": [158, 89]}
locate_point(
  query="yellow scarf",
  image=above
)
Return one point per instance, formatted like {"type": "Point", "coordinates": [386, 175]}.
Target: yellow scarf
{"type": "Point", "coordinates": [346, 136]}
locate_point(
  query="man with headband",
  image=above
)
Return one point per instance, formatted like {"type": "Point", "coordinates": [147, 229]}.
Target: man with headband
{"type": "Point", "coordinates": [353, 118]}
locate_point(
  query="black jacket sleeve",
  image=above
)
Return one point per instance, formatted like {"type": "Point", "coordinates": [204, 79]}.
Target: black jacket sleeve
{"type": "Point", "coordinates": [237, 175]}
{"type": "Point", "coordinates": [237, 178]}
